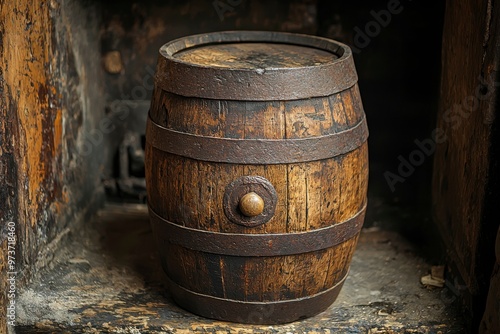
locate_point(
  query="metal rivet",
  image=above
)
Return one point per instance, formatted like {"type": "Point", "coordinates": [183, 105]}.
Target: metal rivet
{"type": "Point", "coordinates": [251, 204]}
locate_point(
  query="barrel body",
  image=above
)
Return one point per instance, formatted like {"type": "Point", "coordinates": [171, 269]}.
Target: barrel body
{"type": "Point", "coordinates": [304, 156]}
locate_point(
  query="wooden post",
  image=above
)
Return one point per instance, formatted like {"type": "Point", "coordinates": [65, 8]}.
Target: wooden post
{"type": "Point", "coordinates": [49, 98]}
{"type": "Point", "coordinates": [464, 177]}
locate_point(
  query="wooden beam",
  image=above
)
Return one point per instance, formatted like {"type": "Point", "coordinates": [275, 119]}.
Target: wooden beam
{"type": "Point", "coordinates": [462, 165]}
{"type": "Point", "coordinates": [49, 97]}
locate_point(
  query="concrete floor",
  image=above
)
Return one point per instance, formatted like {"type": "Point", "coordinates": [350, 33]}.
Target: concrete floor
{"type": "Point", "coordinates": [107, 279]}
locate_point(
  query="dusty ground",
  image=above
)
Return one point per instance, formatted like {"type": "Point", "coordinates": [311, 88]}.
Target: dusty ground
{"type": "Point", "coordinates": [108, 279]}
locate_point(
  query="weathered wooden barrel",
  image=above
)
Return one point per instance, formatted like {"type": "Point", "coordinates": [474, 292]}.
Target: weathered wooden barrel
{"type": "Point", "coordinates": [256, 171]}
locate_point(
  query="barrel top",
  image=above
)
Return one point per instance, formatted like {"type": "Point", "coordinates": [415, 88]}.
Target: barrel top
{"type": "Point", "coordinates": [255, 65]}
{"type": "Point", "coordinates": [255, 56]}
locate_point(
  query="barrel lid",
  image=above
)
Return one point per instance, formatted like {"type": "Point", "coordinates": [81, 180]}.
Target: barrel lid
{"type": "Point", "coordinates": [255, 65]}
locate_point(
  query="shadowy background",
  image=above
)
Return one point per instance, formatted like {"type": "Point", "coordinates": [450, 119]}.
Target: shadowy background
{"type": "Point", "coordinates": [398, 67]}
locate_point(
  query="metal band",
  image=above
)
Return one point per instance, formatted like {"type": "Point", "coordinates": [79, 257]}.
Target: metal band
{"type": "Point", "coordinates": [257, 244]}
{"type": "Point", "coordinates": [256, 151]}
{"type": "Point", "coordinates": [178, 77]}
{"type": "Point", "coordinates": [276, 312]}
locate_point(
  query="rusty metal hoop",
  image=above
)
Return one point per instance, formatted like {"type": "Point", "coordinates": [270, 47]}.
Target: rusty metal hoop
{"type": "Point", "coordinates": [277, 244]}
{"type": "Point", "coordinates": [256, 151]}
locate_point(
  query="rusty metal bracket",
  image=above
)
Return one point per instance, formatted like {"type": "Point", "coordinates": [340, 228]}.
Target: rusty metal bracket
{"type": "Point", "coordinates": [244, 185]}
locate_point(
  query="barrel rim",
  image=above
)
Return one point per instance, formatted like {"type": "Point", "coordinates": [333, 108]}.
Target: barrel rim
{"type": "Point", "coordinates": [204, 81]}
{"type": "Point", "coordinates": [168, 50]}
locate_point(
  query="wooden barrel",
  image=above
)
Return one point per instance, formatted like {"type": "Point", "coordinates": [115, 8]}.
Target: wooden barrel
{"type": "Point", "coordinates": [256, 171]}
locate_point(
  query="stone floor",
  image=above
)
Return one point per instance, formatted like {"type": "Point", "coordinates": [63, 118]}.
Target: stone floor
{"type": "Point", "coordinates": [107, 280]}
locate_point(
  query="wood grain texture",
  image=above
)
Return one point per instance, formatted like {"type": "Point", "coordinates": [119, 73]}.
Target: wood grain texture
{"type": "Point", "coordinates": [235, 119]}
{"type": "Point", "coordinates": [462, 165]}
{"type": "Point", "coordinates": [255, 55]}
{"type": "Point", "coordinates": [47, 80]}
{"type": "Point", "coordinates": [311, 195]}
